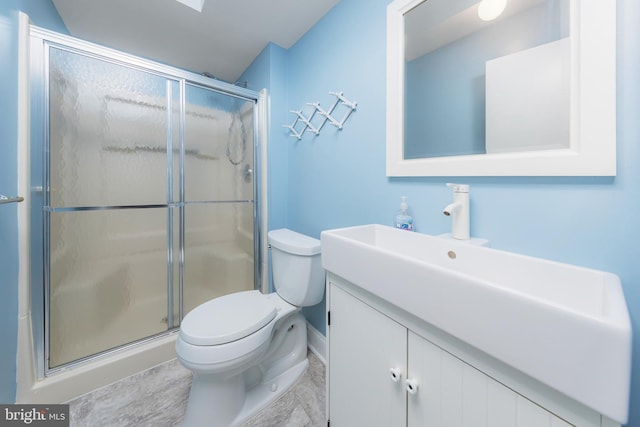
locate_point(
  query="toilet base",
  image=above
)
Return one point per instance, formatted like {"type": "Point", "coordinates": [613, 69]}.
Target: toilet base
{"type": "Point", "coordinates": [226, 393]}
{"type": "Point", "coordinates": [268, 392]}
{"type": "Point", "coordinates": [218, 400]}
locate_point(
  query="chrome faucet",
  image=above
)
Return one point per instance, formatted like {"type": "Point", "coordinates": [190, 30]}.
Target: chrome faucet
{"type": "Point", "coordinates": [459, 211]}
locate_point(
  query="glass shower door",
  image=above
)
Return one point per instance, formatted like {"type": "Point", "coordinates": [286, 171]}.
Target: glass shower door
{"type": "Point", "coordinates": [146, 203]}
{"type": "Point", "coordinates": [112, 134]}
{"type": "Point", "coordinates": [219, 206]}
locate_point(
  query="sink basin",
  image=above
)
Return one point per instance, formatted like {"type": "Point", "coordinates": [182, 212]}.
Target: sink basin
{"type": "Point", "coordinates": [566, 326]}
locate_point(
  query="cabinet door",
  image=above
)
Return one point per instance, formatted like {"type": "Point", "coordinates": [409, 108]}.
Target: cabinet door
{"type": "Point", "coordinates": [452, 393]}
{"type": "Point", "coordinates": [364, 346]}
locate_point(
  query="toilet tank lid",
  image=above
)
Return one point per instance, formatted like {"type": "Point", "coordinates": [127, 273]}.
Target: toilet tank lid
{"type": "Point", "coordinates": [293, 242]}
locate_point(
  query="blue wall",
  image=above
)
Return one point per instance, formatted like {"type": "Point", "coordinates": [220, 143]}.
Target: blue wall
{"type": "Point", "coordinates": [43, 14]}
{"type": "Point", "coordinates": [269, 70]}
{"type": "Point", "coordinates": [8, 213]}
{"type": "Point", "coordinates": [338, 178]}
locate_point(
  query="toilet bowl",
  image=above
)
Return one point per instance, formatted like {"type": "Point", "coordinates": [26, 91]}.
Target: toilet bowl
{"type": "Point", "coordinates": [246, 349]}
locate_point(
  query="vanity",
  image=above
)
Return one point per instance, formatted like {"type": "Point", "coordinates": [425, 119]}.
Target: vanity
{"type": "Point", "coordinates": [424, 331]}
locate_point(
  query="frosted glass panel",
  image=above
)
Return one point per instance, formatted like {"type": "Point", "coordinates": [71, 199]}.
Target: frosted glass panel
{"type": "Point", "coordinates": [218, 139]}
{"type": "Point", "coordinates": [218, 251]}
{"type": "Point", "coordinates": [106, 118]}
{"type": "Point", "coordinates": [108, 280]}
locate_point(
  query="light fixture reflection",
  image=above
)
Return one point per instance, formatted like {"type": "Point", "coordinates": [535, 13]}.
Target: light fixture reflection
{"type": "Point", "coordinates": [488, 10]}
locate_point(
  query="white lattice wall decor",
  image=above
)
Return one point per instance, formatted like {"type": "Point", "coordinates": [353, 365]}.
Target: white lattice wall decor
{"type": "Point", "coordinates": [317, 117]}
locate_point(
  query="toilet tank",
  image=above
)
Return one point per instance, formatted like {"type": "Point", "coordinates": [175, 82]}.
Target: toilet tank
{"type": "Point", "coordinates": [298, 276]}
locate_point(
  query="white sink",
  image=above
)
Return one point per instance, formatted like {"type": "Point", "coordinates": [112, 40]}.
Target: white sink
{"type": "Point", "coordinates": [566, 326]}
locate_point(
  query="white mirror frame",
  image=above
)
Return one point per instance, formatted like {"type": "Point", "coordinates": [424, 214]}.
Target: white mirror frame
{"type": "Point", "coordinates": [592, 148]}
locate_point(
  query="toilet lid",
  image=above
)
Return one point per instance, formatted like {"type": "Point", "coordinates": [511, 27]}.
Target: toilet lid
{"type": "Point", "coordinates": [227, 318]}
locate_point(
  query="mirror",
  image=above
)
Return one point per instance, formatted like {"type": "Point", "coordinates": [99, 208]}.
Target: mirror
{"type": "Point", "coordinates": [530, 92]}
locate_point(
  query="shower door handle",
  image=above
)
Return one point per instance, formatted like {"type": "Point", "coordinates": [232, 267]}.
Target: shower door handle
{"type": "Point", "coordinates": [5, 199]}
{"type": "Point", "coordinates": [247, 172]}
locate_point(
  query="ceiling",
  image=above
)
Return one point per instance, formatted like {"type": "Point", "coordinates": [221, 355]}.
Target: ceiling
{"type": "Point", "coordinates": [222, 40]}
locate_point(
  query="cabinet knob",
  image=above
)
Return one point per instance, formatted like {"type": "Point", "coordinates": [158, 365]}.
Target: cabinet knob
{"type": "Point", "coordinates": [396, 374]}
{"type": "Point", "coordinates": [412, 386]}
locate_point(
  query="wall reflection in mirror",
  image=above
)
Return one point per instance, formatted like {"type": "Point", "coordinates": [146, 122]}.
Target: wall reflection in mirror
{"type": "Point", "coordinates": [486, 77]}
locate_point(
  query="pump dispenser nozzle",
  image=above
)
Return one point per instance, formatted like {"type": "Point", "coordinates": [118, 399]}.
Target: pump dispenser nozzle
{"type": "Point", "coordinates": [403, 204]}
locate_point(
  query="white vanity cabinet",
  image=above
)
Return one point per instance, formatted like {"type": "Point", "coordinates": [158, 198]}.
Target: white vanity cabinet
{"type": "Point", "coordinates": [382, 371]}
{"type": "Point", "coordinates": [365, 347]}
{"type": "Point", "coordinates": [452, 393]}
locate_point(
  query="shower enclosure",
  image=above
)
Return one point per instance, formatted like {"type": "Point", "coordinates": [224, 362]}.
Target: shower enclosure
{"type": "Point", "coordinates": [144, 202]}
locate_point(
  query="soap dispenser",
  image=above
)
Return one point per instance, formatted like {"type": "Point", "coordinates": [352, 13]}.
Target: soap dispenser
{"type": "Point", "coordinates": [403, 219]}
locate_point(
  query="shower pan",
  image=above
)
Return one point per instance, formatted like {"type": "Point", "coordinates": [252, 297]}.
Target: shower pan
{"type": "Point", "coordinates": [144, 202]}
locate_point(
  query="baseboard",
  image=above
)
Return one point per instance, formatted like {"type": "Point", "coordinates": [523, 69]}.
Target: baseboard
{"type": "Point", "coordinates": [317, 343]}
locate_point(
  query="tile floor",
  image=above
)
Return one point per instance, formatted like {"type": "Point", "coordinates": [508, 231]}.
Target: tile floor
{"type": "Point", "coordinates": [158, 397]}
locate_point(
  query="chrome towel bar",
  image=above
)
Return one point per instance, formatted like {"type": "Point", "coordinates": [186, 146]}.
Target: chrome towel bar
{"type": "Point", "coordinates": [5, 199]}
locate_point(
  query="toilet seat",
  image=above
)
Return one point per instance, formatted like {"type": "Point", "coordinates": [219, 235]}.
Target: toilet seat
{"type": "Point", "coordinates": [221, 357]}
{"type": "Point", "coordinates": [228, 318]}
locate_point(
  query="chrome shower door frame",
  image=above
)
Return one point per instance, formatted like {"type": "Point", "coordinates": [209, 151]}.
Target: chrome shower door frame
{"type": "Point", "coordinates": [41, 41]}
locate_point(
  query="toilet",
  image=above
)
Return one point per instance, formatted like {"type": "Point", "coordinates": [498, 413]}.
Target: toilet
{"type": "Point", "coordinates": [246, 349]}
